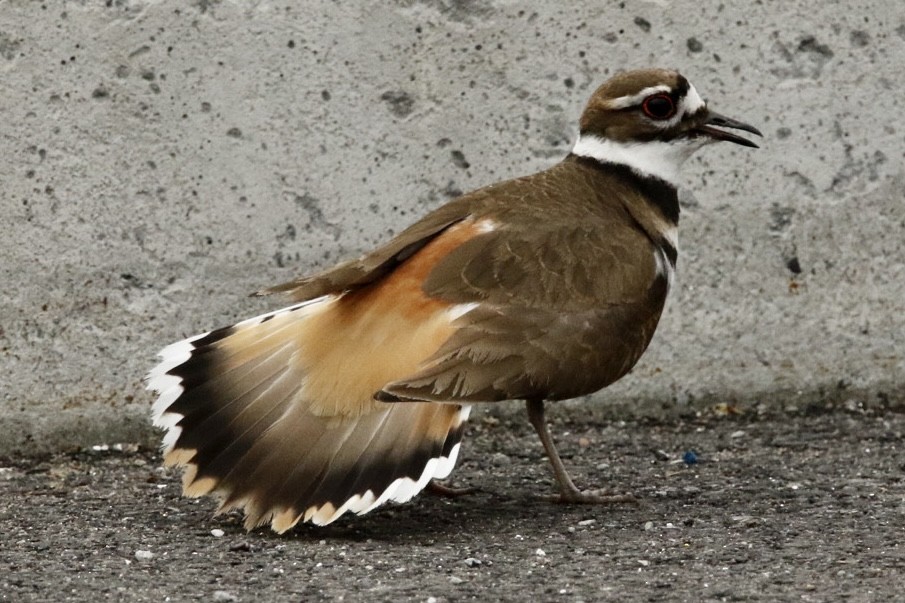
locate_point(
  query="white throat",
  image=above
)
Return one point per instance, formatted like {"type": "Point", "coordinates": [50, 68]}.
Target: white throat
{"type": "Point", "coordinates": [654, 158]}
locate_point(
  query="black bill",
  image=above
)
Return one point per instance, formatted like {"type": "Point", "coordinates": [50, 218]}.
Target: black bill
{"type": "Point", "coordinates": [714, 121]}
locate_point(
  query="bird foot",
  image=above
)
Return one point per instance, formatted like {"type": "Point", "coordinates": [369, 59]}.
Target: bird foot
{"type": "Point", "coordinates": [438, 489]}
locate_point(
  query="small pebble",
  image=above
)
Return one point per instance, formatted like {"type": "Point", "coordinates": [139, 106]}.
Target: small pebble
{"type": "Point", "coordinates": [660, 455]}
{"type": "Point", "coordinates": [143, 555]}
{"type": "Point", "coordinates": [499, 459]}
{"type": "Point", "coordinates": [648, 526]}
{"type": "Point", "coordinates": [217, 533]}
{"type": "Point", "coordinates": [455, 580]}
{"type": "Point", "coordinates": [224, 595]}
{"type": "Point", "coordinates": [644, 562]}
{"type": "Point", "coordinates": [586, 522]}
{"type": "Point", "coordinates": [584, 442]}
{"type": "Point", "coordinates": [540, 553]}
{"type": "Point", "coordinates": [472, 562]}
{"type": "Point", "coordinates": [690, 458]}
{"type": "Point", "coordinates": [737, 434]}
{"type": "Point", "coordinates": [746, 520]}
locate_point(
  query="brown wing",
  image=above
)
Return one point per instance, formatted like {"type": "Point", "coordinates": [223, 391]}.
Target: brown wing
{"type": "Point", "coordinates": [380, 262]}
{"type": "Point", "coordinates": [560, 311]}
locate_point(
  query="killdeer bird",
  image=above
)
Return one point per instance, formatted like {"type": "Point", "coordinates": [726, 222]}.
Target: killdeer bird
{"type": "Point", "coordinates": [541, 288]}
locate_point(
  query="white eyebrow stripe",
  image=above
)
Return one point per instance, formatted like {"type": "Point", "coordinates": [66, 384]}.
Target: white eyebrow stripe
{"type": "Point", "coordinates": [624, 102]}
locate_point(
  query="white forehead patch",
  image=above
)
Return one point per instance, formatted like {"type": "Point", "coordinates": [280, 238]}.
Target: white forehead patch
{"type": "Point", "coordinates": [692, 102]}
{"type": "Point", "coordinates": [631, 100]}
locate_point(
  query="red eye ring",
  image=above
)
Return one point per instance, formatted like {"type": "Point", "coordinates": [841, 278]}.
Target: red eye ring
{"type": "Point", "coordinates": [659, 106]}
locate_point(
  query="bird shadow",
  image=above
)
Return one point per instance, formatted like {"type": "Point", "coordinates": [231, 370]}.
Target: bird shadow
{"type": "Point", "coordinates": [483, 514]}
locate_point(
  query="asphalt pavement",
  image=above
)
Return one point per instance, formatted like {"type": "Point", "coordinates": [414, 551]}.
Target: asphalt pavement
{"type": "Point", "coordinates": [731, 508]}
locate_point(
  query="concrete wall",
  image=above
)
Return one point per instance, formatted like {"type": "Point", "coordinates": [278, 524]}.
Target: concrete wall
{"type": "Point", "coordinates": [160, 160]}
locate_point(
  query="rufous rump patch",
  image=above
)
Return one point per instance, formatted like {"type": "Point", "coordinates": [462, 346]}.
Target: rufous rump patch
{"type": "Point", "coordinates": [405, 283]}
{"type": "Point", "coordinates": [376, 335]}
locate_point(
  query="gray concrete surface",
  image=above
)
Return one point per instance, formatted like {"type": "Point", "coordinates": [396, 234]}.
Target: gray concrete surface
{"type": "Point", "coordinates": [160, 160]}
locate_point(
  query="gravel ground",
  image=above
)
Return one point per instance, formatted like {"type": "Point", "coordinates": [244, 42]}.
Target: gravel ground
{"type": "Point", "coordinates": [801, 508]}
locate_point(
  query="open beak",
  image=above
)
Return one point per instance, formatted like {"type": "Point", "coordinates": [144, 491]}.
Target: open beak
{"type": "Point", "coordinates": [714, 121]}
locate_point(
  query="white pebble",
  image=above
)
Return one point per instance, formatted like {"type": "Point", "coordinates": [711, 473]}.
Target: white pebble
{"type": "Point", "coordinates": [540, 553]}
{"type": "Point", "coordinates": [217, 533]}
{"type": "Point", "coordinates": [143, 555]}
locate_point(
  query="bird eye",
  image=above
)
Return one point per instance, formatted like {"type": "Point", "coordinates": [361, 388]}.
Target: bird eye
{"type": "Point", "coordinates": [659, 106]}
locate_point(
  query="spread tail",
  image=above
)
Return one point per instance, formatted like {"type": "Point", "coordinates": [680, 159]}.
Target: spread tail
{"type": "Point", "coordinates": [261, 416]}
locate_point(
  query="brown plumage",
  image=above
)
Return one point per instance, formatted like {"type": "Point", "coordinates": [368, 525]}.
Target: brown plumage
{"type": "Point", "coordinates": [545, 287]}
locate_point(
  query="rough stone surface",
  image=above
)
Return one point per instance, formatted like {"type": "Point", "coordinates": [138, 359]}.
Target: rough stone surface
{"type": "Point", "coordinates": [163, 159]}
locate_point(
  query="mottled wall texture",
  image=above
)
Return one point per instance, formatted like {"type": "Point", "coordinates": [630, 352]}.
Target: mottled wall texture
{"type": "Point", "coordinates": [162, 159]}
